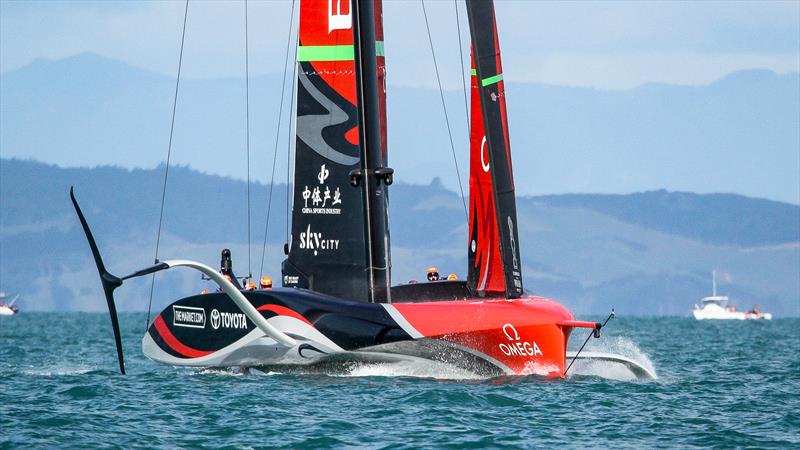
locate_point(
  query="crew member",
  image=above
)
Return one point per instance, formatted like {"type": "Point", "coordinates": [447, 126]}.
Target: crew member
{"type": "Point", "coordinates": [452, 277]}
{"type": "Point", "coordinates": [251, 285]}
{"type": "Point", "coordinates": [227, 278]}
{"type": "Point", "coordinates": [266, 282]}
{"type": "Point", "coordinates": [433, 274]}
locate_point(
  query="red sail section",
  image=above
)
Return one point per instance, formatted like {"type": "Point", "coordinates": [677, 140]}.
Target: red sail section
{"type": "Point", "coordinates": [485, 272]}
{"type": "Point", "coordinates": [489, 83]}
{"type": "Point", "coordinates": [326, 39]}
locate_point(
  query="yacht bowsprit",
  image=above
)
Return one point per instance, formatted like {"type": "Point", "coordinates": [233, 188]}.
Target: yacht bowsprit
{"type": "Point", "coordinates": [337, 302]}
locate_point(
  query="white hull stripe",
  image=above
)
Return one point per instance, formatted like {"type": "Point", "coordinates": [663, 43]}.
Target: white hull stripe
{"type": "Point", "coordinates": [407, 327]}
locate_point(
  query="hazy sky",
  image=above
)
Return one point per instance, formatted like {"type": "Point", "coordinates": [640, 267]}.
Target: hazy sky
{"type": "Point", "coordinates": [608, 45]}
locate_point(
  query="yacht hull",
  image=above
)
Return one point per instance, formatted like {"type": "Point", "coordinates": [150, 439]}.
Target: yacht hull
{"type": "Point", "coordinates": [483, 336]}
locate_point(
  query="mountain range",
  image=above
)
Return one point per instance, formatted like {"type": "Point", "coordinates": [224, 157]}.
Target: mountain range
{"type": "Point", "coordinates": [738, 134]}
{"type": "Point", "coordinates": [648, 253]}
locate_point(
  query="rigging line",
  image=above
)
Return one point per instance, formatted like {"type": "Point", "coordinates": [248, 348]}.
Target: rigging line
{"type": "Point", "coordinates": [295, 68]}
{"type": "Point", "coordinates": [166, 167]}
{"type": "Point", "coordinates": [277, 136]}
{"type": "Point", "coordinates": [444, 107]}
{"type": "Point", "coordinates": [463, 68]}
{"type": "Point", "coordinates": [594, 333]}
{"type": "Point", "coordinates": [247, 126]}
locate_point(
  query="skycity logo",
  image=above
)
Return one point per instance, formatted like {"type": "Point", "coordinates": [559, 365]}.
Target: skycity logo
{"type": "Point", "coordinates": [186, 316]}
{"type": "Point", "coordinates": [316, 242]}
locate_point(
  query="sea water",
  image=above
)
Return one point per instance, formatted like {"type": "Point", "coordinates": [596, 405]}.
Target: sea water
{"type": "Point", "coordinates": [720, 384]}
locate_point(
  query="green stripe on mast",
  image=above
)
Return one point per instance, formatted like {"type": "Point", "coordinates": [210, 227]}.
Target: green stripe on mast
{"type": "Point", "coordinates": [491, 80]}
{"type": "Point", "coordinates": [331, 52]}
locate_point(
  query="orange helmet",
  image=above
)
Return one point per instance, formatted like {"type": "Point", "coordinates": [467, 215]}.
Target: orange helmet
{"type": "Point", "coordinates": [266, 282]}
{"type": "Point", "coordinates": [433, 274]}
{"type": "Point", "coordinates": [452, 277]}
{"type": "Point", "coordinates": [251, 285]}
{"type": "Point", "coordinates": [205, 291]}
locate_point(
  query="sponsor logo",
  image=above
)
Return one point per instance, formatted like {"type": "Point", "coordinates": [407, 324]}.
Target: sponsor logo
{"type": "Point", "coordinates": [228, 320]}
{"type": "Point", "coordinates": [323, 200]}
{"type": "Point", "coordinates": [516, 346]}
{"type": "Point", "coordinates": [310, 240]}
{"type": "Point", "coordinates": [514, 260]}
{"type": "Point", "coordinates": [291, 280]}
{"type": "Point", "coordinates": [484, 163]}
{"type": "Point", "coordinates": [338, 19]}
{"type": "Point", "coordinates": [186, 316]}
{"type": "Point", "coordinates": [323, 174]}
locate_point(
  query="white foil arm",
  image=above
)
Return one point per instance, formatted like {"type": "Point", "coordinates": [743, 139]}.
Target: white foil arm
{"type": "Point", "coordinates": [241, 301]}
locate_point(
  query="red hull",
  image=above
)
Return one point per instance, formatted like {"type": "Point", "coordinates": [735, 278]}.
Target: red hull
{"type": "Point", "coordinates": [523, 336]}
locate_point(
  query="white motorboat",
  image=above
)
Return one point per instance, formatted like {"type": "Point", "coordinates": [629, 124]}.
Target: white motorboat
{"type": "Point", "coordinates": [7, 309]}
{"type": "Point", "coordinates": [716, 307]}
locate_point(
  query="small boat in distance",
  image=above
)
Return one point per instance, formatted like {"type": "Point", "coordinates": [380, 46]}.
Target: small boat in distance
{"type": "Point", "coordinates": [716, 307]}
{"type": "Point", "coordinates": [8, 309]}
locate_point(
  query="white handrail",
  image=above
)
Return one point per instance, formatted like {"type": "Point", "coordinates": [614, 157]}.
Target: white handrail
{"type": "Point", "coordinates": [241, 301]}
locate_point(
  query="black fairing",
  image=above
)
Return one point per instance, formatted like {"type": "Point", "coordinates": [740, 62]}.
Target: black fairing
{"type": "Point", "coordinates": [351, 325]}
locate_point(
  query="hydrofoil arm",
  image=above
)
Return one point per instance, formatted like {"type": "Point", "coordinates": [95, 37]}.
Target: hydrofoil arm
{"type": "Point", "coordinates": [637, 369]}
{"type": "Point", "coordinates": [111, 283]}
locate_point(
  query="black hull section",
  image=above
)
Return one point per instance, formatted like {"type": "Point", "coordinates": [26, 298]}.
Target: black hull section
{"type": "Point", "coordinates": [203, 324]}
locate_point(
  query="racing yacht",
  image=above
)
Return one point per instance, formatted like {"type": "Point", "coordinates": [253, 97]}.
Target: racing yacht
{"type": "Point", "coordinates": [337, 302]}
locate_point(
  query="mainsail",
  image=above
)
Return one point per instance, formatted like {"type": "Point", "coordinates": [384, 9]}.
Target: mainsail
{"type": "Point", "coordinates": [327, 250]}
{"type": "Point", "coordinates": [485, 271]}
{"type": "Point", "coordinates": [494, 259]}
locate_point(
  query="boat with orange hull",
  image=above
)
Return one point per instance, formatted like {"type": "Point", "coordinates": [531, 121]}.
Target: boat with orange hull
{"type": "Point", "coordinates": [337, 304]}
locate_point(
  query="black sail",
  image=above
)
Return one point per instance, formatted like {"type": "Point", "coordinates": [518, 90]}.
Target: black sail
{"type": "Point", "coordinates": [486, 53]}
{"type": "Point", "coordinates": [327, 251]}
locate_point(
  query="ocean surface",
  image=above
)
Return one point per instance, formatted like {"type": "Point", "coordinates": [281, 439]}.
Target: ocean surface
{"type": "Point", "coordinates": [720, 384]}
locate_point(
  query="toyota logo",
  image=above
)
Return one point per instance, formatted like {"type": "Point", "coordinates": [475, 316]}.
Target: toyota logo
{"type": "Point", "coordinates": [215, 319]}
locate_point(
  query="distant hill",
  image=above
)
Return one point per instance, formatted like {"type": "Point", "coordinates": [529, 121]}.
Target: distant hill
{"type": "Point", "coordinates": [739, 134]}
{"type": "Point", "coordinates": [646, 254]}
{"type": "Point", "coordinates": [713, 218]}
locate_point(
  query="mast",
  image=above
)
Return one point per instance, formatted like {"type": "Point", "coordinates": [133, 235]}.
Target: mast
{"type": "Point", "coordinates": [373, 177]}
{"type": "Point", "coordinates": [714, 283]}
{"type": "Point", "coordinates": [489, 73]}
